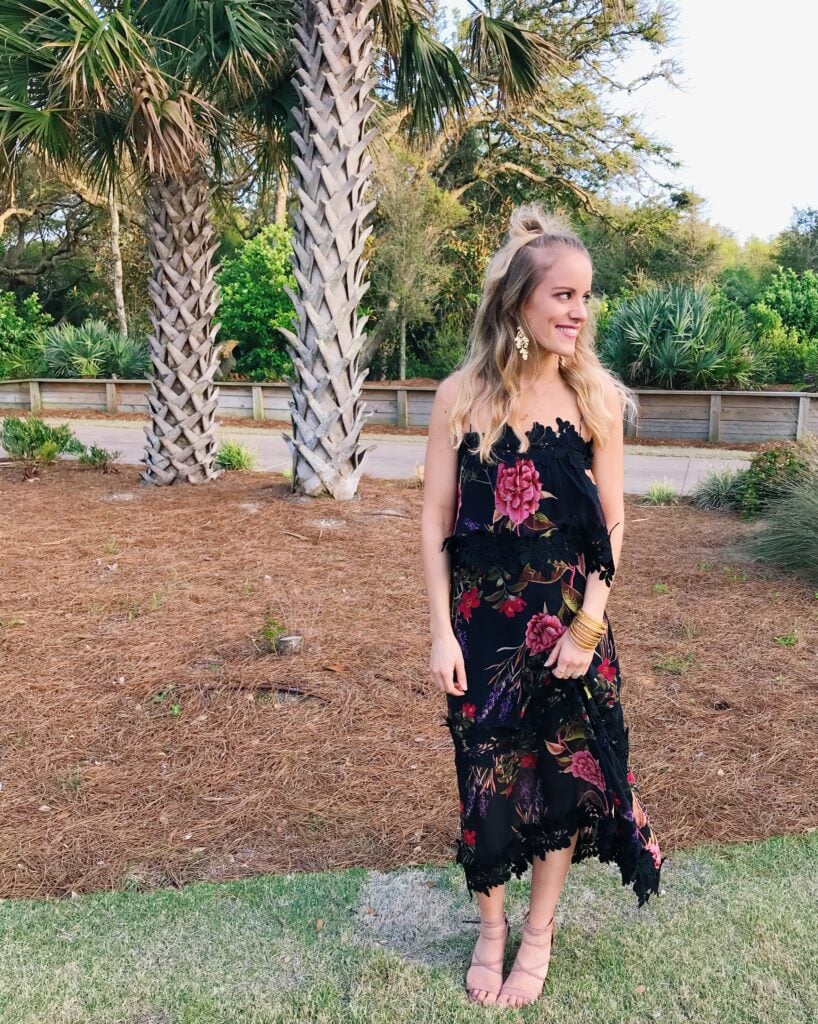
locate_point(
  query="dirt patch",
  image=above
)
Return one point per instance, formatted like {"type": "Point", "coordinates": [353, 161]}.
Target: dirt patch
{"type": "Point", "coordinates": [148, 741]}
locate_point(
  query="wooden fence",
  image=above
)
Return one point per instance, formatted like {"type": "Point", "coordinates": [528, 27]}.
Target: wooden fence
{"type": "Point", "coordinates": [737, 416]}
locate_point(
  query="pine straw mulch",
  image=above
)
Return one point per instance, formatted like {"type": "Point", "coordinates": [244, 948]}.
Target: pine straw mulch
{"type": "Point", "coordinates": [145, 739]}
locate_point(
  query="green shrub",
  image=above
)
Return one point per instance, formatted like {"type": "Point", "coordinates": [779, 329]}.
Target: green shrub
{"type": "Point", "coordinates": [254, 304]}
{"type": "Point", "coordinates": [32, 441]}
{"type": "Point", "coordinates": [788, 359]}
{"type": "Point", "coordinates": [100, 458]}
{"type": "Point", "coordinates": [680, 337]}
{"type": "Point", "coordinates": [788, 537]}
{"type": "Point", "coordinates": [21, 336]}
{"type": "Point", "coordinates": [795, 298]}
{"type": "Point", "coordinates": [436, 356]}
{"type": "Point", "coordinates": [94, 350]}
{"type": "Point", "coordinates": [718, 489]}
{"type": "Point", "coordinates": [235, 456]}
{"type": "Point", "coordinates": [770, 472]}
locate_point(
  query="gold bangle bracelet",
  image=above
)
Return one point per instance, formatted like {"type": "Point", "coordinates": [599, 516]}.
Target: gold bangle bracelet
{"type": "Point", "coordinates": [591, 622]}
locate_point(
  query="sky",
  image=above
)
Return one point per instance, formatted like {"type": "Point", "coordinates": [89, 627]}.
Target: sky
{"type": "Point", "coordinates": [742, 123]}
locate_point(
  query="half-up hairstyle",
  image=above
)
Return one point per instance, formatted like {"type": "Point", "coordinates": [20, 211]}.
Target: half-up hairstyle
{"type": "Point", "coordinates": [492, 369]}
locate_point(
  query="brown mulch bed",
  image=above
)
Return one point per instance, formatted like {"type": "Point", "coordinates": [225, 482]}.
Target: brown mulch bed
{"type": "Point", "coordinates": [146, 739]}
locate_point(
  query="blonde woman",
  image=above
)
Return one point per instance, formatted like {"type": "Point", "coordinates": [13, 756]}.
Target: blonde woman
{"type": "Point", "coordinates": [522, 530]}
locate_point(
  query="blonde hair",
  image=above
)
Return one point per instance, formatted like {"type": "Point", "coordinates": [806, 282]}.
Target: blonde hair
{"type": "Point", "coordinates": [492, 369]}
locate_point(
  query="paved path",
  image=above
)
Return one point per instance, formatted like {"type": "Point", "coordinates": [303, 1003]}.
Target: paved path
{"type": "Point", "coordinates": [396, 456]}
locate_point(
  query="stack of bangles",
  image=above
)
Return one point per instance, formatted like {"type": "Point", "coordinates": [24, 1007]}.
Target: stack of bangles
{"type": "Point", "coordinates": [585, 631]}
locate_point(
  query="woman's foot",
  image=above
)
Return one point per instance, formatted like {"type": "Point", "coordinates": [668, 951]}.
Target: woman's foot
{"type": "Point", "coordinates": [485, 975]}
{"type": "Point", "coordinates": [525, 981]}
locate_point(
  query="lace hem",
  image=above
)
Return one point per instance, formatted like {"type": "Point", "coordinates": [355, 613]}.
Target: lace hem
{"type": "Point", "coordinates": [606, 842]}
{"type": "Point", "coordinates": [487, 550]}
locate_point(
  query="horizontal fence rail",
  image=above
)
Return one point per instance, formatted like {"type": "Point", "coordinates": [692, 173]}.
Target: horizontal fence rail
{"type": "Point", "coordinates": [737, 416]}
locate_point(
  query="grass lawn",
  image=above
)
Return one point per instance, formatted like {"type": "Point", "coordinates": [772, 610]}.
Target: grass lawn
{"type": "Point", "coordinates": [731, 939]}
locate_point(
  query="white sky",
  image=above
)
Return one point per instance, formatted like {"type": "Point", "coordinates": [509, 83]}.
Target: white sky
{"type": "Point", "coordinates": [743, 123]}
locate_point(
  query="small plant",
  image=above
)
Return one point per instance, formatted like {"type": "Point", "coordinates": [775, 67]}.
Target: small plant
{"type": "Point", "coordinates": [718, 489]}
{"type": "Point", "coordinates": [265, 638]}
{"type": "Point", "coordinates": [235, 456]}
{"type": "Point", "coordinates": [673, 664]}
{"type": "Point", "coordinates": [787, 639]}
{"type": "Point", "coordinates": [163, 696]}
{"type": "Point", "coordinates": [94, 350]}
{"type": "Point", "coordinates": [660, 493]}
{"type": "Point", "coordinates": [32, 441]}
{"type": "Point", "coordinates": [112, 547]}
{"type": "Point", "coordinates": [660, 588]}
{"type": "Point", "coordinates": [100, 458]}
{"type": "Point", "coordinates": [732, 573]}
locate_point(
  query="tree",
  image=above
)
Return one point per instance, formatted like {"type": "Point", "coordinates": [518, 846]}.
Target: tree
{"type": "Point", "coordinates": [332, 168]}
{"type": "Point", "coordinates": [163, 89]}
{"type": "Point", "coordinates": [414, 217]}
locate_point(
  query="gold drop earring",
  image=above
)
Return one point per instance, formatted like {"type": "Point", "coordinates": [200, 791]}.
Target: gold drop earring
{"type": "Point", "coordinates": [521, 341]}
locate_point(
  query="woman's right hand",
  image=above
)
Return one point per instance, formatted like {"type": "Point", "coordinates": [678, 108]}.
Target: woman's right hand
{"type": "Point", "coordinates": [447, 667]}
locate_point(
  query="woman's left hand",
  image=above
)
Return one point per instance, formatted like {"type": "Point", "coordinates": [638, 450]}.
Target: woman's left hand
{"type": "Point", "coordinates": [568, 658]}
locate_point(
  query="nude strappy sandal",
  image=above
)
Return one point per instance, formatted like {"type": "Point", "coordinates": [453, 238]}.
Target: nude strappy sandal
{"type": "Point", "coordinates": [485, 975]}
{"type": "Point", "coordinates": [528, 992]}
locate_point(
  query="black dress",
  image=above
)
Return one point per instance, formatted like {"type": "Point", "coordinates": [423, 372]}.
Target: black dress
{"type": "Point", "coordinates": [537, 756]}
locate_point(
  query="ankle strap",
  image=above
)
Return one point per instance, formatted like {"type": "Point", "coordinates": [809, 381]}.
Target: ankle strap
{"type": "Point", "coordinates": [538, 931]}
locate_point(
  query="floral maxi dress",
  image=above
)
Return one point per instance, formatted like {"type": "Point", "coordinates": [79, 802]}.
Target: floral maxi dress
{"type": "Point", "coordinates": [537, 756]}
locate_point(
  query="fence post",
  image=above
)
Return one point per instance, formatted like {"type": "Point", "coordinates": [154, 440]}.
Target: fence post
{"type": "Point", "coordinates": [111, 399]}
{"type": "Point", "coordinates": [258, 402]}
{"type": "Point", "coordinates": [803, 417]}
{"type": "Point", "coordinates": [35, 398]}
{"type": "Point", "coordinates": [403, 408]}
{"type": "Point", "coordinates": [715, 418]}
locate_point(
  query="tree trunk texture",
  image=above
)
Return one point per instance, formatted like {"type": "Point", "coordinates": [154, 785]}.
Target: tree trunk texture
{"type": "Point", "coordinates": [182, 442]}
{"type": "Point", "coordinates": [116, 252]}
{"type": "Point", "coordinates": [331, 176]}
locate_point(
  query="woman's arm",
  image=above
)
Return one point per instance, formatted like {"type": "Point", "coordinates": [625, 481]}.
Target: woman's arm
{"type": "Point", "coordinates": [608, 468]}
{"type": "Point", "coordinates": [439, 508]}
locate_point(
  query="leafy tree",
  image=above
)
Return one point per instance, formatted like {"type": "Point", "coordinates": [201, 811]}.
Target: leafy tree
{"type": "Point", "coordinates": [795, 298]}
{"type": "Point", "coordinates": [254, 304]}
{"type": "Point", "coordinates": [798, 245]}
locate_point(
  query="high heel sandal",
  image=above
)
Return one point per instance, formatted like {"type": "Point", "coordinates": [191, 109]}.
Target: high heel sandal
{"type": "Point", "coordinates": [544, 938]}
{"type": "Point", "coordinates": [487, 975]}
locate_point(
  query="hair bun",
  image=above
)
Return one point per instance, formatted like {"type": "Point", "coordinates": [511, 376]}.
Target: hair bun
{"type": "Point", "coordinates": [531, 220]}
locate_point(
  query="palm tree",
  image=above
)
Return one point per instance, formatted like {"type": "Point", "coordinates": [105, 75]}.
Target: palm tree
{"type": "Point", "coordinates": [160, 89]}
{"type": "Point", "coordinates": [332, 168]}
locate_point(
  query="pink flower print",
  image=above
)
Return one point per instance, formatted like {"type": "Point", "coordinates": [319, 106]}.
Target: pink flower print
{"type": "Point", "coordinates": [517, 490]}
{"type": "Point", "coordinates": [655, 852]}
{"type": "Point", "coordinates": [468, 602]}
{"type": "Point", "coordinates": [631, 777]}
{"type": "Point", "coordinates": [607, 670]}
{"type": "Point", "coordinates": [543, 631]}
{"type": "Point", "coordinates": [585, 766]}
{"type": "Point", "coordinates": [528, 761]}
{"type": "Point", "coordinates": [509, 606]}
{"type": "Point", "coordinates": [469, 836]}
{"type": "Point", "coordinates": [469, 710]}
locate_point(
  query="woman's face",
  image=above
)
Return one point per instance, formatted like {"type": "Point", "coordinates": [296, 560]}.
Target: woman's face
{"type": "Point", "coordinates": [558, 306]}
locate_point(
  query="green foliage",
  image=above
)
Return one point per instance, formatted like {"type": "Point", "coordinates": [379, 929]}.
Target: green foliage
{"type": "Point", "coordinates": [100, 458]}
{"type": "Point", "coordinates": [718, 490]}
{"type": "Point", "coordinates": [21, 336]}
{"type": "Point", "coordinates": [94, 350]}
{"type": "Point", "coordinates": [771, 471]}
{"type": "Point", "coordinates": [254, 303]}
{"type": "Point", "coordinates": [235, 456]}
{"type": "Point", "coordinates": [437, 356]}
{"type": "Point", "coordinates": [660, 492]}
{"type": "Point", "coordinates": [32, 441]}
{"type": "Point", "coordinates": [679, 337]}
{"type": "Point", "coordinates": [795, 298]}
{"type": "Point", "coordinates": [788, 538]}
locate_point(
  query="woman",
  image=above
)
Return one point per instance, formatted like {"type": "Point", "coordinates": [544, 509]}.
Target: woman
{"type": "Point", "coordinates": [519, 559]}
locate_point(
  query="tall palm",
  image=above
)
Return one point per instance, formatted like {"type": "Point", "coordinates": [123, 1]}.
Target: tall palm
{"type": "Point", "coordinates": [332, 168]}
{"type": "Point", "coordinates": [164, 88]}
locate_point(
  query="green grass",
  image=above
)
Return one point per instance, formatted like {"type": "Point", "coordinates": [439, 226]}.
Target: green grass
{"type": "Point", "coordinates": [732, 940]}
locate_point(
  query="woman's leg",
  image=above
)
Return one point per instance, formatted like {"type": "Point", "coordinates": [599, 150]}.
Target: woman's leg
{"type": "Point", "coordinates": [490, 948]}
{"type": "Point", "coordinates": [548, 876]}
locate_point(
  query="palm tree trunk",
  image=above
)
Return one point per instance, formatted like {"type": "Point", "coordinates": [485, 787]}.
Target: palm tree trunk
{"type": "Point", "coordinates": [182, 442]}
{"type": "Point", "coordinates": [332, 172]}
{"type": "Point", "coordinates": [119, 297]}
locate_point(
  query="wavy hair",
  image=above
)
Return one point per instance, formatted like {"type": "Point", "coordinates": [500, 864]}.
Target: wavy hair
{"type": "Point", "coordinates": [492, 369]}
